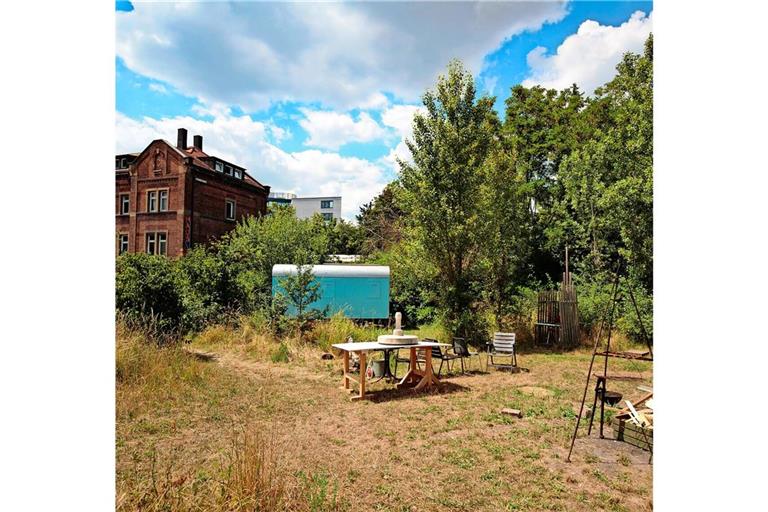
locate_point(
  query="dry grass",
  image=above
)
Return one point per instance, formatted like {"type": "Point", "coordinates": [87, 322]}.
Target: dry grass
{"type": "Point", "coordinates": [242, 433]}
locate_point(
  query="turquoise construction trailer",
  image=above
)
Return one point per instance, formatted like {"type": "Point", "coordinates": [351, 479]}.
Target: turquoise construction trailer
{"type": "Point", "coordinates": [359, 291]}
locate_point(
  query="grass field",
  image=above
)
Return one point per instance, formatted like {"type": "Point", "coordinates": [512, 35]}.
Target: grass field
{"type": "Point", "coordinates": [216, 425]}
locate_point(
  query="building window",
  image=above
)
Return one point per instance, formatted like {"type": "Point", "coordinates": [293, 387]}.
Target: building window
{"type": "Point", "coordinates": [230, 209]}
{"type": "Point", "coordinates": [122, 246]}
{"type": "Point", "coordinates": [327, 216]}
{"type": "Point", "coordinates": [125, 204]}
{"type": "Point", "coordinates": [157, 243]}
{"type": "Point", "coordinates": [157, 200]}
{"type": "Point", "coordinates": [163, 200]}
{"type": "Point", "coordinates": [152, 201]}
{"type": "Point", "coordinates": [238, 174]}
{"type": "Point", "coordinates": [228, 170]}
{"type": "Point", "coordinates": [326, 204]}
{"type": "Point", "coordinates": [219, 166]}
{"type": "Point", "coordinates": [117, 163]}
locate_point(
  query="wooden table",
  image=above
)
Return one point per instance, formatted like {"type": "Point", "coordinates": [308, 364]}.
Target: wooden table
{"type": "Point", "coordinates": [422, 378]}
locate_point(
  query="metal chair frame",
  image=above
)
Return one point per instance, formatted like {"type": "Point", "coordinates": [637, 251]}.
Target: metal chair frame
{"type": "Point", "coordinates": [503, 345]}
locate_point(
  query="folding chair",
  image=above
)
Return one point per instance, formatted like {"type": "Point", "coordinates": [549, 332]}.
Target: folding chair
{"type": "Point", "coordinates": [503, 345]}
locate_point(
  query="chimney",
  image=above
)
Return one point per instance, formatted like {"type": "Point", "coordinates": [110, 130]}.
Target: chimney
{"type": "Point", "coordinates": [181, 139]}
{"type": "Point", "coordinates": [197, 141]}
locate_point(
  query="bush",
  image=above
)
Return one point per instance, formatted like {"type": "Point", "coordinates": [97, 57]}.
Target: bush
{"type": "Point", "coordinates": [595, 298]}
{"type": "Point", "coordinates": [280, 354]}
{"type": "Point", "coordinates": [412, 278]}
{"type": "Point", "coordinates": [150, 287]}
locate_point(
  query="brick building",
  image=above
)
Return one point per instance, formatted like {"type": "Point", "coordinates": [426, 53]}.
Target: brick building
{"type": "Point", "coordinates": [170, 198]}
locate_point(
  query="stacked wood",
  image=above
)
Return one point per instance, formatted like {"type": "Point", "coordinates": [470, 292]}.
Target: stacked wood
{"type": "Point", "coordinates": [625, 430]}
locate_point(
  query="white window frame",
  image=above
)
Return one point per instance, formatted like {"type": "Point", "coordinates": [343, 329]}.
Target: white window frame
{"type": "Point", "coordinates": [151, 201]}
{"type": "Point", "coordinates": [327, 216]}
{"type": "Point", "coordinates": [160, 198]}
{"type": "Point", "coordinates": [150, 238]}
{"type": "Point", "coordinates": [237, 173]}
{"type": "Point", "coordinates": [122, 237]}
{"type": "Point", "coordinates": [125, 200]}
{"type": "Point", "coordinates": [329, 202]}
{"type": "Point", "coordinates": [227, 202]}
{"type": "Point", "coordinates": [219, 166]}
{"type": "Point", "coordinates": [158, 240]}
{"type": "Point", "coordinates": [162, 243]}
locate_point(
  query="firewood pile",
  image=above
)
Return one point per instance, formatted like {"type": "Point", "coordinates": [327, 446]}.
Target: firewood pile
{"type": "Point", "coordinates": [634, 423]}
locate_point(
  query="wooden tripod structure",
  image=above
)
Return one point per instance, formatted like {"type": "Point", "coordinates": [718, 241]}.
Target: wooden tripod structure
{"type": "Point", "coordinates": [597, 350]}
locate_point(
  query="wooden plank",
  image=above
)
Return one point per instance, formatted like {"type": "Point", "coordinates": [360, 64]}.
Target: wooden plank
{"type": "Point", "coordinates": [512, 412]}
{"type": "Point", "coordinates": [362, 374]}
{"type": "Point", "coordinates": [637, 403]}
{"type": "Point", "coordinates": [345, 378]}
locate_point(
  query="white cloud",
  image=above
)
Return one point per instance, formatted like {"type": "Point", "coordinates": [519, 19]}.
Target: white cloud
{"type": "Point", "coordinates": [344, 55]}
{"type": "Point", "coordinates": [332, 130]}
{"type": "Point", "coordinates": [245, 141]}
{"type": "Point", "coordinates": [400, 118]}
{"type": "Point", "coordinates": [159, 88]}
{"type": "Point", "coordinates": [588, 57]}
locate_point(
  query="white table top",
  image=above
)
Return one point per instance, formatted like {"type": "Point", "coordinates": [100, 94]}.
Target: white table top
{"type": "Point", "coordinates": [366, 346]}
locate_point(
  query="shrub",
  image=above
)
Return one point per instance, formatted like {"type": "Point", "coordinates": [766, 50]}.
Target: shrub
{"type": "Point", "coordinates": [149, 287]}
{"type": "Point", "coordinates": [280, 354]}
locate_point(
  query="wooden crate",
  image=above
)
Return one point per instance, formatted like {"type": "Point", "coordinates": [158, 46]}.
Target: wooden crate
{"type": "Point", "coordinates": [628, 432]}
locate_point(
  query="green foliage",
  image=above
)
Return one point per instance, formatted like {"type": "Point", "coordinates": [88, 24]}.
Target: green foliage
{"type": "Point", "coordinates": [412, 275]}
{"type": "Point", "coordinates": [344, 237]}
{"type": "Point", "coordinates": [338, 328]}
{"type": "Point", "coordinates": [271, 316]}
{"type": "Point", "coordinates": [280, 354]}
{"type": "Point", "coordinates": [476, 223]}
{"type": "Point", "coordinates": [441, 191]}
{"type": "Point", "coordinates": [258, 243]}
{"type": "Point", "coordinates": [378, 222]}
{"type": "Point", "coordinates": [608, 180]}
{"type": "Point", "coordinates": [212, 284]}
{"type": "Point", "coordinates": [149, 286]}
{"type": "Point", "coordinates": [301, 290]}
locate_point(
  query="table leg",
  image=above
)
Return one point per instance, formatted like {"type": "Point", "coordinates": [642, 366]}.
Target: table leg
{"type": "Point", "coordinates": [414, 374]}
{"type": "Point", "coordinates": [362, 377]}
{"type": "Point", "coordinates": [345, 378]}
{"type": "Point", "coordinates": [428, 378]}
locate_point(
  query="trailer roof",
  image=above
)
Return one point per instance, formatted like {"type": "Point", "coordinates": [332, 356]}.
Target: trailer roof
{"type": "Point", "coordinates": [335, 270]}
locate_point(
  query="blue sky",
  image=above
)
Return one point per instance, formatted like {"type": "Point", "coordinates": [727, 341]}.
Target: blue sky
{"type": "Point", "coordinates": [318, 98]}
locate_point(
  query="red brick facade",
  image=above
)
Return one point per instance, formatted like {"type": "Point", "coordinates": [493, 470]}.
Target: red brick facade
{"type": "Point", "coordinates": [177, 197]}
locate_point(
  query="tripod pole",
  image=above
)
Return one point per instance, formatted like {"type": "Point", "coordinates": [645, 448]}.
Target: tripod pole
{"type": "Point", "coordinates": [591, 363]}
{"type": "Point", "coordinates": [640, 320]}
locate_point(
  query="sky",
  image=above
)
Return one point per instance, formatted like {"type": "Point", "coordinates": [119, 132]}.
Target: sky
{"type": "Point", "coordinates": [317, 98]}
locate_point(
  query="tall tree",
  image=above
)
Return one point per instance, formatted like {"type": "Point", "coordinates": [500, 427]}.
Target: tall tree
{"type": "Point", "coordinates": [442, 189]}
{"type": "Point", "coordinates": [506, 242]}
{"type": "Point", "coordinates": [542, 127]}
{"type": "Point", "coordinates": [608, 180]}
{"type": "Point", "coordinates": [378, 221]}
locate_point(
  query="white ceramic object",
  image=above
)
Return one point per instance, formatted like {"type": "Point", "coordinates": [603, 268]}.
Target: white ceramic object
{"type": "Point", "coordinates": [397, 337]}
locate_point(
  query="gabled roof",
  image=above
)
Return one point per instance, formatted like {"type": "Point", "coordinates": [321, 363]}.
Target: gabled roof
{"type": "Point", "coordinates": [199, 159]}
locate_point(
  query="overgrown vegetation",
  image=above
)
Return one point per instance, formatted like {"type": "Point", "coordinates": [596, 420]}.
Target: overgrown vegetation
{"type": "Point", "coordinates": [216, 426]}
{"type": "Point", "coordinates": [476, 222]}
